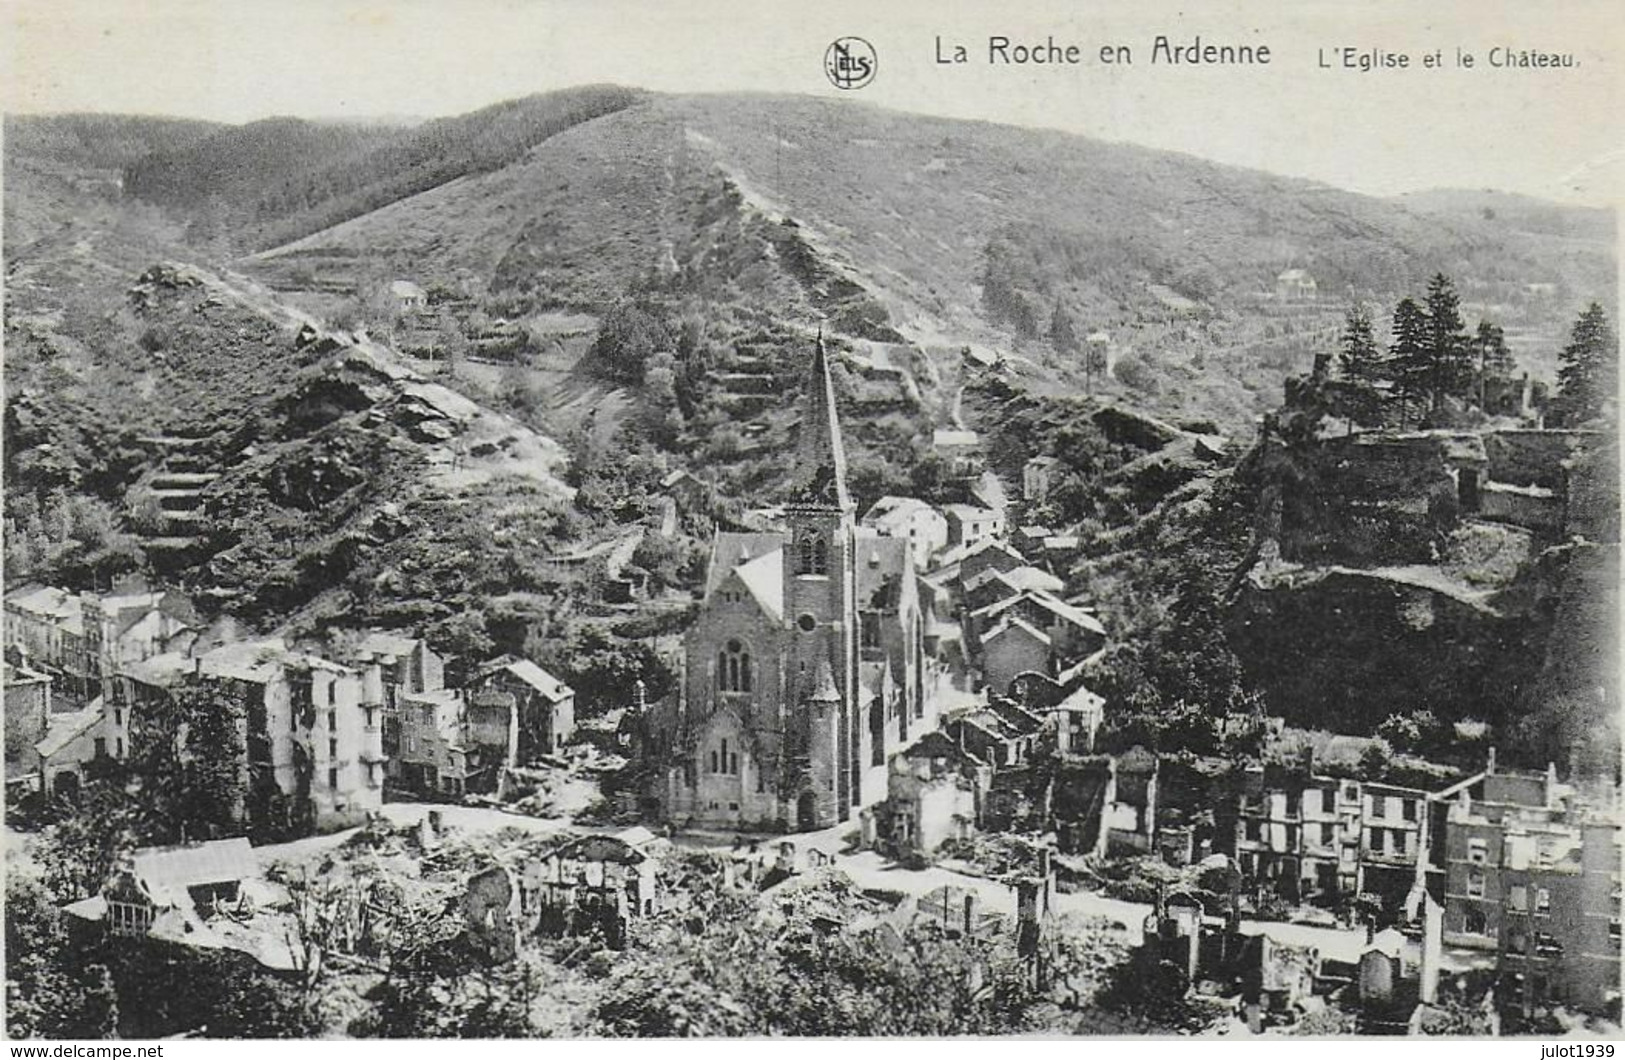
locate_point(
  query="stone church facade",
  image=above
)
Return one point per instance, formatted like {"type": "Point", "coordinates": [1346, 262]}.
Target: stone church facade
{"type": "Point", "coordinates": [806, 667]}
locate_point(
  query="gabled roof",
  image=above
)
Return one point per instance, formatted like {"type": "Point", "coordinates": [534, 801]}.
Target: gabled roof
{"type": "Point", "coordinates": [893, 510]}
{"type": "Point", "coordinates": [954, 437]}
{"type": "Point", "coordinates": [531, 674]}
{"type": "Point", "coordinates": [406, 289]}
{"type": "Point", "coordinates": [672, 478]}
{"type": "Point", "coordinates": [57, 606]}
{"type": "Point", "coordinates": [1016, 716]}
{"type": "Point", "coordinates": [764, 577]}
{"type": "Point", "coordinates": [378, 642]}
{"type": "Point", "coordinates": [65, 728]}
{"type": "Point", "coordinates": [968, 511]}
{"type": "Point", "coordinates": [1014, 624]}
{"type": "Point", "coordinates": [1048, 602]}
{"type": "Point", "coordinates": [989, 490]}
{"type": "Point", "coordinates": [730, 548]}
{"type": "Point", "coordinates": [992, 543]}
{"type": "Point", "coordinates": [981, 578]}
{"type": "Point", "coordinates": [256, 661]}
{"type": "Point", "coordinates": [160, 671]}
{"type": "Point", "coordinates": [1081, 698]}
{"type": "Point", "coordinates": [1022, 578]}
{"type": "Point", "coordinates": [194, 864]}
{"type": "Point", "coordinates": [937, 744]}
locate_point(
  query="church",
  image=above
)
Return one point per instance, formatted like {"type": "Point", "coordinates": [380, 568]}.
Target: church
{"type": "Point", "coordinates": [808, 664]}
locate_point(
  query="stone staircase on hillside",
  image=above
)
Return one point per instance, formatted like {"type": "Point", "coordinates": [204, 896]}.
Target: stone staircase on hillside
{"type": "Point", "coordinates": [178, 485]}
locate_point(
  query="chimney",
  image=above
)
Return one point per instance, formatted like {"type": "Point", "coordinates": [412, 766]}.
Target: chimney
{"type": "Point", "coordinates": [1490, 766]}
{"type": "Point", "coordinates": [970, 913]}
{"type": "Point", "coordinates": [640, 697]}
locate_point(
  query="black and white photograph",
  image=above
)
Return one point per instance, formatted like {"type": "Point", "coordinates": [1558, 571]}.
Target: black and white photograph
{"type": "Point", "coordinates": [535, 519]}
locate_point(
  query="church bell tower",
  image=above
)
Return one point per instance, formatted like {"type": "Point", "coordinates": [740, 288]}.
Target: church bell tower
{"type": "Point", "coordinates": [819, 599]}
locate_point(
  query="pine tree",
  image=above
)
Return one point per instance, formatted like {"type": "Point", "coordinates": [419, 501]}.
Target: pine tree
{"type": "Point", "coordinates": [1408, 356]}
{"type": "Point", "coordinates": [1362, 368]}
{"type": "Point", "coordinates": [1589, 375]}
{"type": "Point", "coordinates": [1495, 364]}
{"type": "Point", "coordinates": [1448, 352]}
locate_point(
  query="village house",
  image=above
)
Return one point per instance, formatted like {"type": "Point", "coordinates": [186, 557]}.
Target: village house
{"type": "Point", "coordinates": [544, 708]}
{"type": "Point", "coordinates": [685, 490]}
{"type": "Point", "coordinates": [1001, 733]}
{"type": "Point", "coordinates": [451, 745]}
{"type": "Point", "coordinates": [1032, 631]}
{"type": "Point", "coordinates": [314, 754]}
{"type": "Point", "coordinates": [126, 628]}
{"type": "Point", "coordinates": [46, 625]}
{"type": "Point", "coordinates": [992, 585]}
{"type": "Point", "coordinates": [392, 665]}
{"type": "Point", "coordinates": [1029, 538]}
{"type": "Point", "coordinates": [1296, 285]}
{"type": "Point", "coordinates": [1533, 873]}
{"type": "Point", "coordinates": [959, 563]}
{"type": "Point", "coordinates": [907, 517]}
{"type": "Point", "coordinates": [28, 715]}
{"type": "Point", "coordinates": [1074, 722]}
{"type": "Point", "coordinates": [83, 639]}
{"type": "Point", "coordinates": [960, 449]}
{"type": "Point", "coordinates": [200, 895]}
{"type": "Point", "coordinates": [71, 743]}
{"type": "Point", "coordinates": [970, 525]}
{"type": "Point", "coordinates": [934, 790]}
{"type": "Point", "coordinates": [594, 883]}
{"type": "Point", "coordinates": [404, 296]}
{"type": "Point", "coordinates": [1274, 981]}
{"type": "Point", "coordinates": [1307, 834]}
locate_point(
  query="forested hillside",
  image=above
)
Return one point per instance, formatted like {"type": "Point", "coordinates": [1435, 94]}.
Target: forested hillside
{"type": "Point", "coordinates": [272, 181]}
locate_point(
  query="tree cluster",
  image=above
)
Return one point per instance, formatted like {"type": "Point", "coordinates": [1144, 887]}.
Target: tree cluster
{"type": "Point", "coordinates": [1430, 361]}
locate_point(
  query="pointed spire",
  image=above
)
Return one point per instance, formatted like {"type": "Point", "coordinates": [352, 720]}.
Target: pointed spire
{"type": "Point", "coordinates": [820, 472]}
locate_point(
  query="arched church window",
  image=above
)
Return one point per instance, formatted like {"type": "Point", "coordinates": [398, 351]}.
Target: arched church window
{"type": "Point", "coordinates": [734, 670]}
{"type": "Point", "coordinates": [812, 555]}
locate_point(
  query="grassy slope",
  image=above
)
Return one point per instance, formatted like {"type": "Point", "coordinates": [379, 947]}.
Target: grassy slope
{"type": "Point", "coordinates": [909, 205]}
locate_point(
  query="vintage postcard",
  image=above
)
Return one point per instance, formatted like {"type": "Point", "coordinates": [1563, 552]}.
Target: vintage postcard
{"type": "Point", "coordinates": [526, 518]}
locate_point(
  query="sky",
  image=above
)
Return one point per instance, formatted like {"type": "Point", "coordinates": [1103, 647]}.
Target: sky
{"type": "Point", "coordinates": [1553, 133]}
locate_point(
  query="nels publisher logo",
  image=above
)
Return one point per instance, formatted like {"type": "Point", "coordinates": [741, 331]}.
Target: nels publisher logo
{"type": "Point", "coordinates": [850, 62]}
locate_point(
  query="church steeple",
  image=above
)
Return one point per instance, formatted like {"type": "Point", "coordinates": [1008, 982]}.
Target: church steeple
{"type": "Point", "coordinates": [820, 472]}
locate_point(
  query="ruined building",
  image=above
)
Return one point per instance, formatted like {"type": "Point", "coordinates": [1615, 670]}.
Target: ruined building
{"type": "Point", "coordinates": [1532, 873]}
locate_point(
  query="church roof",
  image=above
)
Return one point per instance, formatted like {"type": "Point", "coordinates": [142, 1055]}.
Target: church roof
{"type": "Point", "coordinates": [882, 564]}
{"type": "Point", "coordinates": [764, 577]}
{"type": "Point", "coordinates": [820, 473]}
{"type": "Point", "coordinates": [729, 549]}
